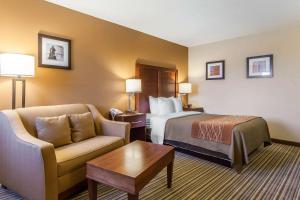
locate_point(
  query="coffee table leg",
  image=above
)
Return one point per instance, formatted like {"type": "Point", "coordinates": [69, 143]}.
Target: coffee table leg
{"type": "Point", "coordinates": [133, 196]}
{"type": "Point", "coordinates": [92, 186]}
{"type": "Point", "coordinates": [170, 173]}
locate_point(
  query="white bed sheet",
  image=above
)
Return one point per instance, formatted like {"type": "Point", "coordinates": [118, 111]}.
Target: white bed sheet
{"type": "Point", "coordinates": [158, 124]}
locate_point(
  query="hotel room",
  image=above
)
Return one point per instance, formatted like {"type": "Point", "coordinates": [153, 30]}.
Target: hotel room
{"type": "Point", "coordinates": [110, 99]}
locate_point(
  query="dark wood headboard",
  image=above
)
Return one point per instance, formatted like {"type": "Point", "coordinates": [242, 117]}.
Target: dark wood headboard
{"type": "Point", "coordinates": [156, 82]}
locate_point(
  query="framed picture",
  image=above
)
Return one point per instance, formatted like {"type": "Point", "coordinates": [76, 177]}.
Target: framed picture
{"type": "Point", "coordinates": [54, 52]}
{"type": "Point", "coordinates": [260, 66]}
{"type": "Point", "coordinates": [215, 70]}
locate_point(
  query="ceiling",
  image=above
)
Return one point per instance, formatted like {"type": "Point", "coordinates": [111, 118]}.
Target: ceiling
{"type": "Point", "coordinates": [192, 22]}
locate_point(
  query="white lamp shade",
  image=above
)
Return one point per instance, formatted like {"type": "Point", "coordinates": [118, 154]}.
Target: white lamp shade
{"type": "Point", "coordinates": [185, 88]}
{"type": "Point", "coordinates": [133, 85]}
{"type": "Point", "coordinates": [16, 65]}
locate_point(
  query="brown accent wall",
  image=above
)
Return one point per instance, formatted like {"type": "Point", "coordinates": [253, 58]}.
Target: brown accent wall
{"type": "Point", "coordinates": [103, 55]}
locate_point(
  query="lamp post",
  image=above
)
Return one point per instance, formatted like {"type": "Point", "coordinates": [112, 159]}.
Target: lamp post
{"type": "Point", "coordinates": [132, 86]}
{"type": "Point", "coordinates": [17, 66]}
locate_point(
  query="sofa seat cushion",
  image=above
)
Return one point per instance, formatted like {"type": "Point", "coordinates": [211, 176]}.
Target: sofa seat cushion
{"type": "Point", "coordinates": [74, 156]}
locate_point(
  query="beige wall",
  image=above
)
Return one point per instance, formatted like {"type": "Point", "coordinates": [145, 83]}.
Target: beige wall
{"type": "Point", "coordinates": [275, 99]}
{"type": "Point", "coordinates": [103, 55]}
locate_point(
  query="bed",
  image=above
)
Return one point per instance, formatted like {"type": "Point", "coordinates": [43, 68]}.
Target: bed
{"type": "Point", "coordinates": [177, 129]}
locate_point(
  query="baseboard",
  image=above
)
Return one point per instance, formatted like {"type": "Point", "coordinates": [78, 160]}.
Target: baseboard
{"type": "Point", "coordinates": [3, 186]}
{"type": "Point", "coordinates": [297, 144]}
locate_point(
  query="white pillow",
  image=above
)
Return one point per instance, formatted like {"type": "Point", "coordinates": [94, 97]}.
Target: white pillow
{"type": "Point", "coordinates": [165, 106]}
{"type": "Point", "coordinates": [153, 103]}
{"type": "Point", "coordinates": [177, 103]}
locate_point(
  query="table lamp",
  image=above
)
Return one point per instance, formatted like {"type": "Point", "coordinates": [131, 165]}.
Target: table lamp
{"type": "Point", "coordinates": [17, 66]}
{"type": "Point", "coordinates": [132, 86]}
{"type": "Point", "coordinates": [185, 89]}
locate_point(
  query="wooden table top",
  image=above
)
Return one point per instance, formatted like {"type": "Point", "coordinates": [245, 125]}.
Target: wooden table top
{"type": "Point", "coordinates": [132, 160]}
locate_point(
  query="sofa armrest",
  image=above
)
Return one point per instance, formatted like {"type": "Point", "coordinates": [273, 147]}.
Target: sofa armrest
{"type": "Point", "coordinates": [114, 128]}
{"type": "Point", "coordinates": [108, 127]}
{"type": "Point", "coordinates": [28, 165]}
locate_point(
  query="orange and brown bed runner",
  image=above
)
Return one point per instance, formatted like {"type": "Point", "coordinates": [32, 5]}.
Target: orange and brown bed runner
{"type": "Point", "coordinates": [219, 128]}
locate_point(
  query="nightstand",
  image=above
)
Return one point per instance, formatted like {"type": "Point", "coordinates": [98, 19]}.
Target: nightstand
{"type": "Point", "coordinates": [199, 109]}
{"type": "Point", "coordinates": [138, 125]}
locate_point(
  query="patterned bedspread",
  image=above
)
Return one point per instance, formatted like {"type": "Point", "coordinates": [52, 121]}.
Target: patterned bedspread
{"type": "Point", "coordinates": [219, 128]}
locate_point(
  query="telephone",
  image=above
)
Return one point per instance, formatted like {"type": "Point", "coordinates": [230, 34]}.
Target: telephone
{"type": "Point", "coordinates": [114, 112]}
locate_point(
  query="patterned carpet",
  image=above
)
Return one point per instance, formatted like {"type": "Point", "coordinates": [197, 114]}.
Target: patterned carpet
{"type": "Point", "coordinates": [274, 173]}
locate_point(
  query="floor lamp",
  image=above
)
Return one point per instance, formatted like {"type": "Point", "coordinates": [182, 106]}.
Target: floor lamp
{"type": "Point", "coordinates": [17, 66]}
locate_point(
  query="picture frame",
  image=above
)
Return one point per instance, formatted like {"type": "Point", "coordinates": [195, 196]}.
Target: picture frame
{"type": "Point", "coordinates": [54, 52]}
{"type": "Point", "coordinates": [215, 70]}
{"type": "Point", "coordinates": [260, 66]}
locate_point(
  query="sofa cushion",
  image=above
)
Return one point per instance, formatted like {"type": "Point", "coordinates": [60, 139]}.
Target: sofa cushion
{"type": "Point", "coordinates": [82, 126]}
{"type": "Point", "coordinates": [28, 115]}
{"type": "Point", "coordinates": [55, 130]}
{"type": "Point", "coordinates": [74, 156]}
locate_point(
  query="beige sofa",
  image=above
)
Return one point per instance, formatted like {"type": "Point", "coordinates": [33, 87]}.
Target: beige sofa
{"type": "Point", "coordinates": [34, 168]}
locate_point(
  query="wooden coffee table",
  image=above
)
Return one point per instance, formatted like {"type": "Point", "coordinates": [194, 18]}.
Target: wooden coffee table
{"type": "Point", "coordinates": [130, 167]}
